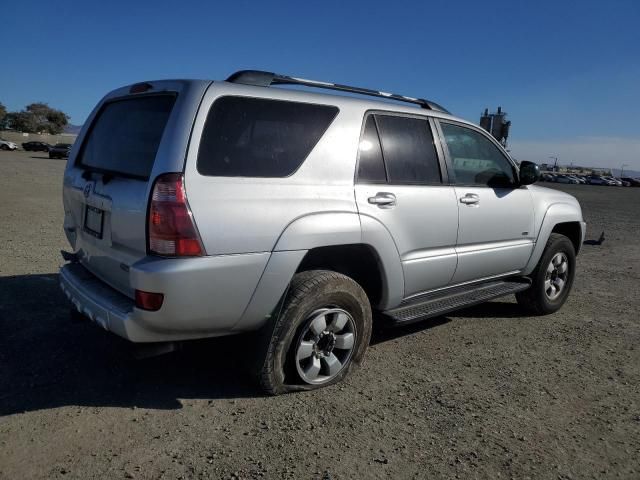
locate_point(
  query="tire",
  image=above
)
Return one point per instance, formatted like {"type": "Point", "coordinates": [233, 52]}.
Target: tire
{"type": "Point", "coordinates": [4, 147]}
{"type": "Point", "coordinates": [551, 282]}
{"type": "Point", "coordinates": [290, 347]}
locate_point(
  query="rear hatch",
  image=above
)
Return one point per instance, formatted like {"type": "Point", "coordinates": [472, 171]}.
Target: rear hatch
{"type": "Point", "coordinates": [129, 140]}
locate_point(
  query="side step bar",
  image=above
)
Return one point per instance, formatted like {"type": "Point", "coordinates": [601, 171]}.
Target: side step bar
{"type": "Point", "coordinates": [439, 303]}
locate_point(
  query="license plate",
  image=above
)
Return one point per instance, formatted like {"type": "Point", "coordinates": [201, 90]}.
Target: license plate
{"type": "Point", "coordinates": [93, 221]}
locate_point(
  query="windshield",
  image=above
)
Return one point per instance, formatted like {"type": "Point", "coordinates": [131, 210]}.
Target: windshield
{"type": "Point", "coordinates": [126, 134]}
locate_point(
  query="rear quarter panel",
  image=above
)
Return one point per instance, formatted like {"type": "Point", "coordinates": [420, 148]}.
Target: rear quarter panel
{"type": "Point", "coordinates": [248, 214]}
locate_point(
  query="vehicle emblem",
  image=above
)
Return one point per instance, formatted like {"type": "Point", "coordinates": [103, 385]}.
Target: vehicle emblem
{"type": "Point", "coordinates": [87, 190]}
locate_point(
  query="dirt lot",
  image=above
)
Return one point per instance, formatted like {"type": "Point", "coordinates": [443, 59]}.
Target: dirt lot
{"type": "Point", "coordinates": [484, 393]}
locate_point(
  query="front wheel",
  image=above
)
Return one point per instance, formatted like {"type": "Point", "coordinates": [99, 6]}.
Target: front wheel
{"type": "Point", "coordinates": [552, 278]}
{"type": "Point", "coordinates": [323, 329]}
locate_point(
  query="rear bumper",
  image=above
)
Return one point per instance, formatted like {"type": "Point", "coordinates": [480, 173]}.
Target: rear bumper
{"type": "Point", "coordinates": [203, 297]}
{"type": "Point", "coordinates": [99, 302]}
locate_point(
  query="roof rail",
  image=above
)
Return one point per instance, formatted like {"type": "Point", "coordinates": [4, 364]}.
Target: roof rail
{"type": "Point", "coordinates": [265, 79]}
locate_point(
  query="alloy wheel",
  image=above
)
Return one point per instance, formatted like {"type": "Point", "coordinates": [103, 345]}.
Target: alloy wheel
{"type": "Point", "coordinates": [325, 345]}
{"type": "Point", "coordinates": [556, 276]}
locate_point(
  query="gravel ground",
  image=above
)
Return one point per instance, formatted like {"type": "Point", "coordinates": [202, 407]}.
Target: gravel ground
{"type": "Point", "coordinates": [484, 393]}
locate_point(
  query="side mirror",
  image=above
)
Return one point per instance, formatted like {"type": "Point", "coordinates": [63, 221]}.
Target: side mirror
{"type": "Point", "coordinates": [529, 173]}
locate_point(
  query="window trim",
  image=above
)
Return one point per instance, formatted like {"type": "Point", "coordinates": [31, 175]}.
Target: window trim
{"type": "Point", "coordinates": [444, 173]}
{"type": "Point", "coordinates": [449, 158]}
{"type": "Point", "coordinates": [356, 180]}
{"type": "Point", "coordinates": [248, 97]}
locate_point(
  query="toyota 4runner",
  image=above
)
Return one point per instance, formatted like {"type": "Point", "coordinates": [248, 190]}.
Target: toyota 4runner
{"type": "Point", "coordinates": [199, 209]}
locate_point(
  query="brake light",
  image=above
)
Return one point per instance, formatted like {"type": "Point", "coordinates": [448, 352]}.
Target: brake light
{"type": "Point", "coordinates": [149, 301]}
{"type": "Point", "coordinates": [140, 87]}
{"type": "Point", "coordinates": [172, 230]}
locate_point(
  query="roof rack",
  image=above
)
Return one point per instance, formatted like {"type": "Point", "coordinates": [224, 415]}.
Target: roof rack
{"type": "Point", "coordinates": [264, 79]}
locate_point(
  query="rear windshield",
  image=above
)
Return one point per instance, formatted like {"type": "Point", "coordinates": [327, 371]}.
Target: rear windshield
{"type": "Point", "coordinates": [254, 137]}
{"type": "Point", "coordinates": [125, 135]}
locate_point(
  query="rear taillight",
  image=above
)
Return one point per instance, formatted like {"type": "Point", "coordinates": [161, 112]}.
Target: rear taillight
{"type": "Point", "coordinates": [172, 230]}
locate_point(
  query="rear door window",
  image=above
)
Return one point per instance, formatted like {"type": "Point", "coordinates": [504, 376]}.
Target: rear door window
{"type": "Point", "coordinates": [125, 135]}
{"type": "Point", "coordinates": [256, 137]}
{"type": "Point", "coordinates": [408, 149]}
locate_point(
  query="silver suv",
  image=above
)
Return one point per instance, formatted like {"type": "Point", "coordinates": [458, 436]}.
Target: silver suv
{"type": "Point", "coordinates": [200, 209]}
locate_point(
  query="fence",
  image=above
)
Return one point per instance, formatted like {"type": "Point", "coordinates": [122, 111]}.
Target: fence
{"type": "Point", "coordinates": [19, 137]}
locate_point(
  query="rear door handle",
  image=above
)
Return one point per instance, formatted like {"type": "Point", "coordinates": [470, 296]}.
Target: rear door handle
{"type": "Point", "coordinates": [470, 199]}
{"type": "Point", "coordinates": [383, 199]}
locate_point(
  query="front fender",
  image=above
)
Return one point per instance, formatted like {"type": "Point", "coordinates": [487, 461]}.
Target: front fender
{"type": "Point", "coordinates": [555, 214]}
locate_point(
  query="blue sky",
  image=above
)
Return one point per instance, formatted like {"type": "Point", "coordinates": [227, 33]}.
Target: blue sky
{"type": "Point", "coordinates": [567, 72]}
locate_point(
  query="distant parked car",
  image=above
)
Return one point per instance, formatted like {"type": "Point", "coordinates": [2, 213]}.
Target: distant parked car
{"type": "Point", "coordinates": [633, 182]}
{"type": "Point", "coordinates": [580, 178]}
{"type": "Point", "coordinates": [574, 177]}
{"type": "Point", "coordinates": [613, 181]}
{"type": "Point", "coordinates": [6, 145]}
{"type": "Point", "coordinates": [60, 150]}
{"type": "Point", "coordinates": [597, 180]}
{"type": "Point", "coordinates": [547, 177]}
{"type": "Point", "coordinates": [566, 179]}
{"type": "Point", "coordinates": [36, 146]}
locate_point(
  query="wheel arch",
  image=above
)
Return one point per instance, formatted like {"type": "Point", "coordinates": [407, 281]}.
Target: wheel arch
{"type": "Point", "coordinates": [340, 229]}
{"type": "Point", "coordinates": [357, 261]}
{"type": "Point", "coordinates": [562, 218]}
{"type": "Point", "coordinates": [572, 230]}
{"type": "Point", "coordinates": [345, 242]}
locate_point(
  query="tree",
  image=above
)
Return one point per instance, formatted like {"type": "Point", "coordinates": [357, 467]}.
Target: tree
{"type": "Point", "coordinates": [22, 122]}
{"type": "Point", "coordinates": [57, 121]}
{"type": "Point", "coordinates": [48, 119]}
{"type": "Point", "coordinates": [3, 115]}
{"type": "Point", "coordinates": [37, 118]}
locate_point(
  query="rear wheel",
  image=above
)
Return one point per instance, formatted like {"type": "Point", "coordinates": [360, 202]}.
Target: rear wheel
{"type": "Point", "coordinates": [4, 147]}
{"type": "Point", "coordinates": [552, 278]}
{"type": "Point", "coordinates": [323, 329]}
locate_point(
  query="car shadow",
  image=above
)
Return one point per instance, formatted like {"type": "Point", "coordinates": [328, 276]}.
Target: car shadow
{"type": "Point", "coordinates": [493, 309]}
{"type": "Point", "coordinates": [384, 330]}
{"type": "Point", "coordinates": [48, 361]}
{"type": "Point", "coordinates": [41, 157]}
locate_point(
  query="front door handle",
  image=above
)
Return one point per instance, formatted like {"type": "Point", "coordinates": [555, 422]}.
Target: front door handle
{"type": "Point", "coordinates": [470, 199]}
{"type": "Point", "coordinates": [383, 200]}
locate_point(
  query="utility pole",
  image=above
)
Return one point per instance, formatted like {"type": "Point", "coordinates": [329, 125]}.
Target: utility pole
{"type": "Point", "coordinates": [555, 165]}
{"type": "Point", "coordinates": [622, 169]}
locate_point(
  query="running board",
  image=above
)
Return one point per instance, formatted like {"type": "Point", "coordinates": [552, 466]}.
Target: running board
{"type": "Point", "coordinates": [439, 303]}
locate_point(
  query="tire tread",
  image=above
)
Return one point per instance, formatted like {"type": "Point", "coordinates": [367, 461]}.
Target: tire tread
{"type": "Point", "coordinates": [531, 299]}
{"type": "Point", "coordinates": [302, 286]}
